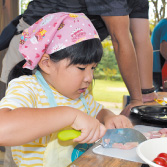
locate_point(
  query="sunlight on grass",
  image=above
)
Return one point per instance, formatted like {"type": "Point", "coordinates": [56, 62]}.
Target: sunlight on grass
{"type": "Point", "coordinates": [109, 91]}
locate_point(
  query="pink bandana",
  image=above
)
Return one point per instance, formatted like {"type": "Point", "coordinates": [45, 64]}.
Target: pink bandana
{"type": "Point", "coordinates": [52, 33]}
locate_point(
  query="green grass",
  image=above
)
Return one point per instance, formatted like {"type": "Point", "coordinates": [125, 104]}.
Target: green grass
{"type": "Point", "coordinates": [109, 91]}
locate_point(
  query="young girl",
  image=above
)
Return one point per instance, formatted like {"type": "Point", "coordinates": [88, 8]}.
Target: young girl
{"type": "Point", "coordinates": [64, 49]}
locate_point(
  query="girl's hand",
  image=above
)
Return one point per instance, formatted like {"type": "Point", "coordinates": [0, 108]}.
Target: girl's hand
{"type": "Point", "coordinates": [117, 121]}
{"type": "Point", "coordinates": [112, 121]}
{"type": "Point", "coordinates": [91, 129]}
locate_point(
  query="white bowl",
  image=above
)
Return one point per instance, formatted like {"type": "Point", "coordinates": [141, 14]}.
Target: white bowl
{"type": "Point", "coordinates": [149, 149]}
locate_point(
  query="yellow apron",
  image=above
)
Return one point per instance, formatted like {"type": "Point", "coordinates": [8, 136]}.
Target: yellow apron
{"type": "Point", "coordinates": [60, 153]}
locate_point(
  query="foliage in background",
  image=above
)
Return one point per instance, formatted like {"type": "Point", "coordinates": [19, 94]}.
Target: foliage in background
{"type": "Point", "coordinates": [158, 10]}
{"type": "Point", "coordinates": [24, 4]}
{"type": "Point", "coordinates": [108, 68]}
{"type": "Point", "coordinates": [109, 91]}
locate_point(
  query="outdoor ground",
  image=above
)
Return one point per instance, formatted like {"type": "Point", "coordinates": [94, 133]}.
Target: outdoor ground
{"type": "Point", "coordinates": [114, 107]}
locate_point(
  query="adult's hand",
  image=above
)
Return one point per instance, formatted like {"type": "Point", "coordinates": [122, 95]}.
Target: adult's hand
{"type": "Point", "coordinates": [133, 103]}
{"type": "Point", "coordinates": [145, 97]}
{"type": "Point", "coordinates": [149, 97]}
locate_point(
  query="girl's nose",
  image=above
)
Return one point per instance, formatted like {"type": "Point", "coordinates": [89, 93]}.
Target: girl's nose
{"type": "Point", "coordinates": [89, 76]}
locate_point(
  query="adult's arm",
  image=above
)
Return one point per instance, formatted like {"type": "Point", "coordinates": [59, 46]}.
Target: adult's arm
{"type": "Point", "coordinates": [118, 27]}
{"type": "Point", "coordinates": [139, 28]}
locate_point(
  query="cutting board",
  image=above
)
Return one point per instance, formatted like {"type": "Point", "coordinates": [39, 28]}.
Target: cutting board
{"type": "Point", "coordinates": [129, 155]}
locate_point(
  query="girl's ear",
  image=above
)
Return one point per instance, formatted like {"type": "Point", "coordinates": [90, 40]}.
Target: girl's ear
{"type": "Point", "coordinates": [45, 63]}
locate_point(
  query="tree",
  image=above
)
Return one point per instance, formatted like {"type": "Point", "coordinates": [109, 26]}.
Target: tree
{"type": "Point", "coordinates": [108, 67]}
{"type": "Point", "coordinates": [24, 4]}
{"type": "Point", "coordinates": [159, 9]}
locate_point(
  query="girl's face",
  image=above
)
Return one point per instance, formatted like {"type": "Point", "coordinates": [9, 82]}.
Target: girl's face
{"type": "Point", "coordinates": [71, 80]}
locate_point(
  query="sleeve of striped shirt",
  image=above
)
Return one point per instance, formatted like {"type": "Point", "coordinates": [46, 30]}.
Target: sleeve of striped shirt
{"type": "Point", "coordinates": [21, 94]}
{"type": "Point", "coordinates": [18, 94]}
{"type": "Point", "coordinates": [94, 107]}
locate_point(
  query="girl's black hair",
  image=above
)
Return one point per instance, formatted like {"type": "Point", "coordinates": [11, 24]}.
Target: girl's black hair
{"type": "Point", "coordinates": [18, 71]}
{"type": "Point", "coordinates": [86, 52]}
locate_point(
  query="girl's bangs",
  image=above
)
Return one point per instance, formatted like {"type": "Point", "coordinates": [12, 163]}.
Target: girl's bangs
{"type": "Point", "coordinates": [85, 52]}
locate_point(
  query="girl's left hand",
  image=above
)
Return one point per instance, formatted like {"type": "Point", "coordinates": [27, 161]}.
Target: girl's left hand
{"type": "Point", "coordinates": [117, 121]}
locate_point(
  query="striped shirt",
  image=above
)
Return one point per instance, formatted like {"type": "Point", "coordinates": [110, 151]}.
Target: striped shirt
{"type": "Point", "coordinates": [25, 91]}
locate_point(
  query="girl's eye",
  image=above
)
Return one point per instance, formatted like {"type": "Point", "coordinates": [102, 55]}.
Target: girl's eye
{"type": "Point", "coordinates": [93, 68]}
{"type": "Point", "coordinates": [81, 68]}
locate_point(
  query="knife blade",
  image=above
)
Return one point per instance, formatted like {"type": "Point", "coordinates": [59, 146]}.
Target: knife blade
{"type": "Point", "coordinates": [111, 136]}
{"type": "Point", "coordinates": [124, 135]}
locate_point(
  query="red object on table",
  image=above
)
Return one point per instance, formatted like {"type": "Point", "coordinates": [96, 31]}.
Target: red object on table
{"type": "Point", "coordinates": [160, 161]}
{"type": "Point", "coordinates": [163, 155]}
{"type": "Point", "coordinates": [164, 73]}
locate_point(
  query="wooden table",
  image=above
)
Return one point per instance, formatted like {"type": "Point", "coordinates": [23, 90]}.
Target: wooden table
{"type": "Point", "coordinates": [89, 159]}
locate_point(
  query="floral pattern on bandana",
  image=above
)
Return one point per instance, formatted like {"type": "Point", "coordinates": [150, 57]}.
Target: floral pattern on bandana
{"type": "Point", "coordinates": [52, 33]}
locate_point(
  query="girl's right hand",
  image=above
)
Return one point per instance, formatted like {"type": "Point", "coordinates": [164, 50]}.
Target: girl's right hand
{"type": "Point", "coordinates": [91, 129]}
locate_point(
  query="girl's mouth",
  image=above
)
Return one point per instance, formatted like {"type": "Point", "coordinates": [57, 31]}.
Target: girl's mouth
{"type": "Point", "coordinates": [82, 90]}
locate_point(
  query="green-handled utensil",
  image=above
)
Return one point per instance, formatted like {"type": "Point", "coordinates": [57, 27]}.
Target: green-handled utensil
{"type": "Point", "coordinates": [65, 135]}
{"type": "Point", "coordinates": [112, 136]}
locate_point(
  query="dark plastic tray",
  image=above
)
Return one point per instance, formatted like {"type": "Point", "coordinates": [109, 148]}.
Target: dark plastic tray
{"type": "Point", "coordinates": [157, 113]}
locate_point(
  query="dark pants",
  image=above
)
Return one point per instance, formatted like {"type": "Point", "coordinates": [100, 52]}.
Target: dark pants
{"type": "Point", "coordinates": [157, 81]}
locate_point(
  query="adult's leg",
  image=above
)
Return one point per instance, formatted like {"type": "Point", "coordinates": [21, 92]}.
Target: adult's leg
{"type": "Point", "coordinates": [12, 56]}
{"type": "Point", "coordinates": [140, 34]}
{"type": "Point", "coordinates": [118, 27]}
